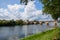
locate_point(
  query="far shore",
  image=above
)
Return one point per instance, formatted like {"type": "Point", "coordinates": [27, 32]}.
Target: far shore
{"type": "Point", "coordinates": [21, 22]}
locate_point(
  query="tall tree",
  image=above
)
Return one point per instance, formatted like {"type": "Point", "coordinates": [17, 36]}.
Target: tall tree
{"type": "Point", "coordinates": [52, 7]}
{"type": "Point", "coordinates": [49, 7]}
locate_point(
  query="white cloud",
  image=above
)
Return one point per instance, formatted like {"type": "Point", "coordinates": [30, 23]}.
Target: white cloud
{"type": "Point", "coordinates": [22, 12]}
{"type": "Point", "coordinates": [15, 7]}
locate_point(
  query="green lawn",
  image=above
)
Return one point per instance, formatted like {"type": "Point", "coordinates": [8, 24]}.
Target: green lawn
{"type": "Point", "coordinates": [48, 35]}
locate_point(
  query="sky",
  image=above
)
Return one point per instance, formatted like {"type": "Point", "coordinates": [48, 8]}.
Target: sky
{"type": "Point", "coordinates": [12, 9]}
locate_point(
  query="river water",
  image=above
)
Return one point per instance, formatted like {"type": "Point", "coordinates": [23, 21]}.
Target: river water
{"type": "Point", "coordinates": [17, 32]}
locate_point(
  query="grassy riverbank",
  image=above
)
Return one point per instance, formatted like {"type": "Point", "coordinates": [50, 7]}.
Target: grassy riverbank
{"type": "Point", "coordinates": [48, 35]}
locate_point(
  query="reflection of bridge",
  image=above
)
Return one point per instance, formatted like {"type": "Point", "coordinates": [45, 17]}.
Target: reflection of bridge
{"type": "Point", "coordinates": [41, 22]}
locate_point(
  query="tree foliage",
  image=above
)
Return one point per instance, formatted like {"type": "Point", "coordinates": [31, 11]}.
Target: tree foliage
{"type": "Point", "coordinates": [51, 7]}
{"type": "Point", "coordinates": [11, 22]}
{"type": "Point", "coordinates": [25, 1]}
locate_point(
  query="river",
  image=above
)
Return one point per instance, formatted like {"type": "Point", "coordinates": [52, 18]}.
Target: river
{"type": "Point", "coordinates": [17, 32]}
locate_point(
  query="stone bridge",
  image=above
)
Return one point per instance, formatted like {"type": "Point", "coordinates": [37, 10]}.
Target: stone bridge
{"type": "Point", "coordinates": [41, 22]}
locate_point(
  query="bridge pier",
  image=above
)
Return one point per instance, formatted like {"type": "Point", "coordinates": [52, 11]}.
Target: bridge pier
{"type": "Point", "coordinates": [55, 23]}
{"type": "Point", "coordinates": [40, 23]}
{"type": "Point", "coordinates": [35, 22]}
{"type": "Point", "coordinates": [47, 23]}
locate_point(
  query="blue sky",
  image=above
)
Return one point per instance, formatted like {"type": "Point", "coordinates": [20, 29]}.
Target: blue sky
{"type": "Point", "coordinates": [4, 3]}
{"type": "Point", "coordinates": [12, 9]}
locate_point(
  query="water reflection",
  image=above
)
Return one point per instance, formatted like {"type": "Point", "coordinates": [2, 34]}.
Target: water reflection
{"type": "Point", "coordinates": [14, 33]}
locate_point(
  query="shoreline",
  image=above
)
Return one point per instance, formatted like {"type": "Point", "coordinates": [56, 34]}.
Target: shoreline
{"type": "Point", "coordinates": [41, 34]}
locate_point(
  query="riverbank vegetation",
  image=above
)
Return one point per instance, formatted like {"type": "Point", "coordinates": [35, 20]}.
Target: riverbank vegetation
{"type": "Point", "coordinates": [11, 22]}
{"type": "Point", "coordinates": [53, 34]}
{"type": "Point", "coordinates": [16, 22]}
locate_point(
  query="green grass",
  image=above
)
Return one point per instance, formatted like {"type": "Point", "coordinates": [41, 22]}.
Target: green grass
{"type": "Point", "coordinates": [48, 35]}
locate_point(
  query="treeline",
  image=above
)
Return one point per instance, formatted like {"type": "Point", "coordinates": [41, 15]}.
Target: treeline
{"type": "Point", "coordinates": [17, 22]}
{"type": "Point", "coordinates": [11, 22]}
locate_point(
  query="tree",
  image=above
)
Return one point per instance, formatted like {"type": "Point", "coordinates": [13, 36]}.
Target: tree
{"type": "Point", "coordinates": [25, 1]}
{"type": "Point", "coordinates": [19, 22]}
{"type": "Point", "coordinates": [51, 7]}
